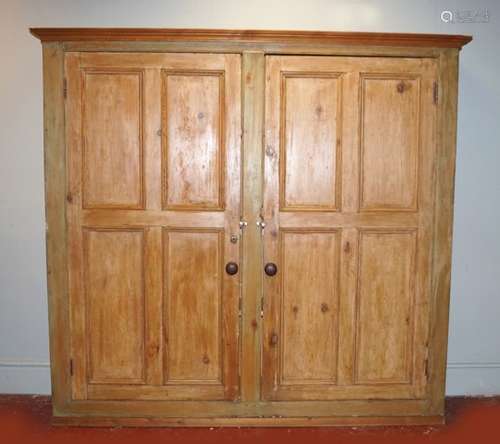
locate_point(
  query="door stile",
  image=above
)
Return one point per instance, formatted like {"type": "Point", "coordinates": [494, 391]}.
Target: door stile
{"type": "Point", "coordinates": [253, 73]}
{"type": "Point", "coordinates": [270, 238]}
{"type": "Point", "coordinates": [231, 250]}
{"type": "Point", "coordinates": [349, 140]}
{"type": "Point", "coordinates": [153, 274]}
{"type": "Point", "coordinates": [73, 205]}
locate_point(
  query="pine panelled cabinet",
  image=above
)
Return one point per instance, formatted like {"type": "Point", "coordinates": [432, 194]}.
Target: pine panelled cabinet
{"type": "Point", "coordinates": [248, 227]}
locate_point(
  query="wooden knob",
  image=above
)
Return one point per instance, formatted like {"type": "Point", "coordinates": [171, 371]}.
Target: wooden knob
{"type": "Point", "coordinates": [271, 269]}
{"type": "Point", "coordinates": [231, 268]}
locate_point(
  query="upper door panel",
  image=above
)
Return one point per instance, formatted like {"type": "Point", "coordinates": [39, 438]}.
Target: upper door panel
{"type": "Point", "coordinates": [310, 131]}
{"type": "Point", "coordinates": [112, 141]}
{"type": "Point", "coordinates": [389, 145]}
{"type": "Point", "coordinates": [194, 146]}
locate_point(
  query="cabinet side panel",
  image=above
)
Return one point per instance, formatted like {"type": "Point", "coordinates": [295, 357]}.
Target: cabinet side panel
{"type": "Point", "coordinates": [443, 226]}
{"type": "Point", "coordinates": [55, 217]}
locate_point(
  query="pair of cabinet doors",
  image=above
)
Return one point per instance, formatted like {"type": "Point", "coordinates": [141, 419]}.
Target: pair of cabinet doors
{"type": "Point", "coordinates": [154, 213]}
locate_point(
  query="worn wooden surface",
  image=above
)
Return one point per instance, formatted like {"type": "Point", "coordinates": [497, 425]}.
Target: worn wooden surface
{"type": "Point", "coordinates": [310, 37]}
{"type": "Point", "coordinates": [368, 274]}
{"type": "Point", "coordinates": [215, 409]}
{"type": "Point", "coordinates": [164, 219]}
{"type": "Point", "coordinates": [389, 130]}
{"type": "Point", "coordinates": [115, 302]}
{"type": "Point", "coordinates": [154, 195]}
{"type": "Point", "coordinates": [334, 421]}
{"type": "Point", "coordinates": [112, 111]}
{"type": "Point", "coordinates": [251, 280]}
{"type": "Point", "coordinates": [443, 227]}
{"type": "Point", "coordinates": [55, 219]}
{"type": "Point", "coordinates": [28, 419]}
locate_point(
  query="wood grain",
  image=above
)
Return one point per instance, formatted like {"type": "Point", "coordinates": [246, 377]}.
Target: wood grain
{"type": "Point", "coordinates": [333, 421]}
{"type": "Point", "coordinates": [348, 159]}
{"type": "Point", "coordinates": [311, 107]}
{"type": "Point", "coordinates": [193, 305]}
{"type": "Point", "coordinates": [112, 139]}
{"type": "Point", "coordinates": [74, 204]}
{"type": "Point", "coordinates": [398, 172]}
{"type": "Point", "coordinates": [238, 47]}
{"type": "Point", "coordinates": [253, 80]}
{"type": "Point", "coordinates": [115, 305]}
{"type": "Point", "coordinates": [153, 284]}
{"type": "Point", "coordinates": [385, 304]}
{"type": "Point", "coordinates": [309, 308]}
{"type": "Point", "coordinates": [310, 37]}
{"type": "Point", "coordinates": [153, 294]}
{"type": "Point", "coordinates": [443, 227]}
{"type": "Point", "coordinates": [389, 152]}
{"type": "Point", "coordinates": [55, 218]}
{"type": "Point", "coordinates": [214, 409]}
{"type": "Point", "coordinates": [193, 135]}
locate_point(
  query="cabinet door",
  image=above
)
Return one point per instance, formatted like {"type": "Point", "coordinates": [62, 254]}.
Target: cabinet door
{"type": "Point", "coordinates": [153, 156]}
{"type": "Point", "coordinates": [349, 149]}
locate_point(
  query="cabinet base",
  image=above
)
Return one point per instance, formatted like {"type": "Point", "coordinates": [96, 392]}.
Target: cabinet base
{"type": "Point", "coordinates": [327, 421]}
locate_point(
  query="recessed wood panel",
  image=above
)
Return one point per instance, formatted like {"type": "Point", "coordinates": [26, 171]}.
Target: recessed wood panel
{"type": "Point", "coordinates": [193, 141]}
{"type": "Point", "coordinates": [310, 140]}
{"type": "Point", "coordinates": [385, 306]}
{"type": "Point", "coordinates": [114, 283]}
{"type": "Point", "coordinates": [192, 312]}
{"type": "Point", "coordinates": [309, 311]}
{"type": "Point", "coordinates": [390, 121]}
{"type": "Point", "coordinates": [112, 139]}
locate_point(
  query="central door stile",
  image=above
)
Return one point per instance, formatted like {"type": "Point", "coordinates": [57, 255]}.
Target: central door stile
{"type": "Point", "coordinates": [253, 73]}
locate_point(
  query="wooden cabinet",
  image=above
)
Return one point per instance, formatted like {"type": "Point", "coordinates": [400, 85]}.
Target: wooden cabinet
{"type": "Point", "coordinates": [248, 227]}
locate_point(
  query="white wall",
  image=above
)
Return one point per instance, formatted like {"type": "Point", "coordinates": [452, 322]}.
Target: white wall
{"type": "Point", "coordinates": [474, 351]}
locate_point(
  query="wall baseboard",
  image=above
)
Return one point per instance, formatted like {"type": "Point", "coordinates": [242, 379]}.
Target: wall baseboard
{"type": "Point", "coordinates": [25, 377]}
{"type": "Point", "coordinates": [462, 378]}
{"type": "Point", "coordinates": [455, 365]}
{"type": "Point", "coordinates": [473, 378]}
{"type": "Point", "coordinates": [33, 364]}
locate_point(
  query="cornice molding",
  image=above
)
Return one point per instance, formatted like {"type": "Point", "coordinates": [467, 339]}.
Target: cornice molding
{"type": "Point", "coordinates": [250, 36]}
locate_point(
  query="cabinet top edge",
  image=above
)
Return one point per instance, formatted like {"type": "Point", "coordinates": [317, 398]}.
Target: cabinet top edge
{"type": "Point", "coordinates": [252, 36]}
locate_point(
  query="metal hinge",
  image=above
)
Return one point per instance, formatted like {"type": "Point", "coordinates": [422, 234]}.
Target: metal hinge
{"type": "Point", "coordinates": [65, 88]}
{"type": "Point", "coordinates": [435, 93]}
{"type": "Point", "coordinates": [71, 367]}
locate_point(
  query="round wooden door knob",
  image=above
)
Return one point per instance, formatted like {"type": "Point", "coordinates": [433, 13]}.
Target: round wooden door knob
{"type": "Point", "coordinates": [271, 269]}
{"type": "Point", "coordinates": [231, 268]}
